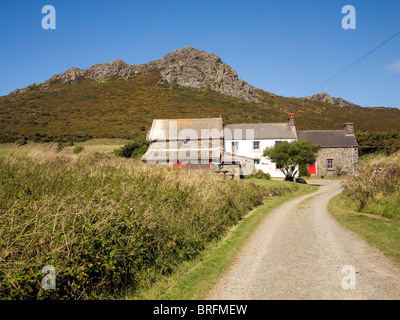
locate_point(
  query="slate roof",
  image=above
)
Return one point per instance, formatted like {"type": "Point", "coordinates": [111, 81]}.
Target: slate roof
{"type": "Point", "coordinates": [329, 138]}
{"type": "Point", "coordinates": [261, 131]}
{"type": "Point", "coordinates": [181, 129]}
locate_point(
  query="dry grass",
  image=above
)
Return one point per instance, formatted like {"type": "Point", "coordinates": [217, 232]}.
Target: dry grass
{"type": "Point", "coordinates": [376, 189]}
{"type": "Point", "coordinates": [105, 223]}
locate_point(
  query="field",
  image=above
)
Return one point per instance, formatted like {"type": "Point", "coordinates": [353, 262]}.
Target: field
{"type": "Point", "coordinates": [103, 145]}
{"type": "Point", "coordinates": [370, 203]}
{"type": "Point", "coordinates": [105, 223]}
{"type": "Point", "coordinates": [112, 227]}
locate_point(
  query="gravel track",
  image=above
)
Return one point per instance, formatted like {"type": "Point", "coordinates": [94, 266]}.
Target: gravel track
{"type": "Point", "coordinates": [298, 253]}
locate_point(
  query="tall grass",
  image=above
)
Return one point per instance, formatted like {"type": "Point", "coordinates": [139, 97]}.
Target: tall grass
{"type": "Point", "coordinates": [105, 223]}
{"type": "Point", "coordinates": [377, 187]}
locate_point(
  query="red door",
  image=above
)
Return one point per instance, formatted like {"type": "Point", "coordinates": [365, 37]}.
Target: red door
{"type": "Point", "coordinates": [312, 168]}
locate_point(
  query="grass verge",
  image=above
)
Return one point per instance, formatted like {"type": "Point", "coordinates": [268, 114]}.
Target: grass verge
{"type": "Point", "coordinates": [192, 280]}
{"type": "Point", "coordinates": [376, 230]}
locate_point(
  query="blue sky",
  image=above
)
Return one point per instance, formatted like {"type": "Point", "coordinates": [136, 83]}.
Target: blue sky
{"type": "Point", "coordinates": [285, 47]}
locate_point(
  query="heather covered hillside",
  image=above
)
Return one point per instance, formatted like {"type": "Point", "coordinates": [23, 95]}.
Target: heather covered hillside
{"type": "Point", "coordinates": [118, 100]}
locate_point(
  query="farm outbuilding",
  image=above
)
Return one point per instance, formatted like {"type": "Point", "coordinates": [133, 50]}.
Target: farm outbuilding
{"type": "Point", "coordinates": [338, 154]}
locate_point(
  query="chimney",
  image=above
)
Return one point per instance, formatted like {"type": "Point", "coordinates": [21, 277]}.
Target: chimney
{"type": "Point", "coordinates": [349, 128]}
{"type": "Point", "coordinates": [291, 119]}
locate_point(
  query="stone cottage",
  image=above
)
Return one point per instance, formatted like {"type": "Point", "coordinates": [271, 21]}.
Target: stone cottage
{"type": "Point", "coordinates": [338, 154]}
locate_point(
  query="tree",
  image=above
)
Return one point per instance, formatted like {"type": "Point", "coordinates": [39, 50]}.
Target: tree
{"type": "Point", "coordinates": [289, 156]}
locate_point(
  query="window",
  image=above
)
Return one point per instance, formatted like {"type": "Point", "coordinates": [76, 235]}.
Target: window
{"type": "Point", "coordinates": [278, 142]}
{"type": "Point", "coordinates": [330, 164]}
{"type": "Point", "coordinates": [235, 145]}
{"type": "Point", "coordinates": [256, 145]}
{"type": "Point", "coordinates": [256, 161]}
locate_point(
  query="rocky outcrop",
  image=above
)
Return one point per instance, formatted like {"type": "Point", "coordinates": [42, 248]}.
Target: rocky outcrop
{"type": "Point", "coordinates": [194, 68]}
{"type": "Point", "coordinates": [98, 72]}
{"type": "Point", "coordinates": [327, 98]}
{"type": "Point", "coordinates": [187, 67]}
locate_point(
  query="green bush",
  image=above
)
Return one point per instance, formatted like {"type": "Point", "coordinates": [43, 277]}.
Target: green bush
{"type": "Point", "coordinates": [78, 149]}
{"type": "Point", "coordinates": [132, 150]}
{"type": "Point", "coordinates": [106, 224]}
{"type": "Point", "coordinates": [259, 175]}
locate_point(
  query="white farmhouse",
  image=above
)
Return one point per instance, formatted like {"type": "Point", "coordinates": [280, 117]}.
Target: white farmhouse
{"type": "Point", "coordinates": [250, 139]}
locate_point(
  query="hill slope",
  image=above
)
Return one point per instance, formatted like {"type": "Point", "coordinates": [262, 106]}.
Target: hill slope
{"type": "Point", "coordinates": [117, 100]}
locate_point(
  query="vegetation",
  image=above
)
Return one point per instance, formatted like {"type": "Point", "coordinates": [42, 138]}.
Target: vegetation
{"type": "Point", "coordinates": [123, 108]}
{"type": "Point", "coordinates": [370, 203]}
{"type": "Point", "coordinates": [259, 175]}
{"type": "Point", "coordinates": [134, 149]}
{"type": "Point", "coordinates": [377, 187]}
{"type": "Point", "coordinates": [106, 224]}
{"type": "Point", "coordinates": [291, 156]}
{"type": "Point", "coordinates": [78, 149]}
{"type": "Point", "coordinates": [194, 279]}
{"type": "Point", "coordinates": [373, 141]}
{"type": "Point", "coordinates": [303, 171]}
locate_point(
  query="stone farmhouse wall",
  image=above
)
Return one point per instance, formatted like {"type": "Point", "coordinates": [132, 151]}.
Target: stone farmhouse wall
{"type": "Point", "coordinates": [343, 160]}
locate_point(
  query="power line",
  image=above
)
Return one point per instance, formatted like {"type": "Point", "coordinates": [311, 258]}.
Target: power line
{"type": "Point", "coordinates": [322, 84]}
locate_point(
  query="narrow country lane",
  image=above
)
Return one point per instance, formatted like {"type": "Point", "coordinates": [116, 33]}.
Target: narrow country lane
{"type": "Point", "coordinates": [298, 253]}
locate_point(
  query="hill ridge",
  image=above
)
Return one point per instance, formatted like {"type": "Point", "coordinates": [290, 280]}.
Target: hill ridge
{"type": "Point", "coordinates": [189, 67]}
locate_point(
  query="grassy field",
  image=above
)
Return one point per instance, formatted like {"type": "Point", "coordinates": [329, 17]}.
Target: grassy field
{"type": "Point", "coordinates": [370, 203]}
{"type": "Point", "coordinates": [105, 223]}
{"type": "Point", "coordinates": [7, 148]}
{"type": "Point", "coordinates": [103, 145]}
{"type": "Point", "coordinates": [193, 280]}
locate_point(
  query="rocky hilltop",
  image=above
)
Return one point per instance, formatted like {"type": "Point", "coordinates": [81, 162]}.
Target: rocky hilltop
{"type": "Point", "coordinates": [327, 98]}
{"type": "Point", "coordinates": [187, 67]}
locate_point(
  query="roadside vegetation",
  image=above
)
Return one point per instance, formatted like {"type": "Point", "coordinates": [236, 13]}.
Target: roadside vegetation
{"type": "Point", "coordinates": [370, 202]}
{"type": "Point", "coordinates": [107, 224]}
{"type": "Point", "coordinates": [192, 280]}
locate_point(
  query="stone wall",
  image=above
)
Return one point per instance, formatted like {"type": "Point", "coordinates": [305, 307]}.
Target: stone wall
{"type": "Point", "coordinates": [342, 159]}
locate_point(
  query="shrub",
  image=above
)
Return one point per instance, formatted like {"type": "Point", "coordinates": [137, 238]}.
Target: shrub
{"type": "Point", "coordinates": [132, 150]}
{"type": "Point", "coordinates": [259, 175]}
{"type": "Point", "coordinates": [78, 149]}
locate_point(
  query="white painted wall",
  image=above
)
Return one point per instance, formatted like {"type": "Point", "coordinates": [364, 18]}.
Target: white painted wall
{"type": "Point", "coordinates": [245, 148]}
